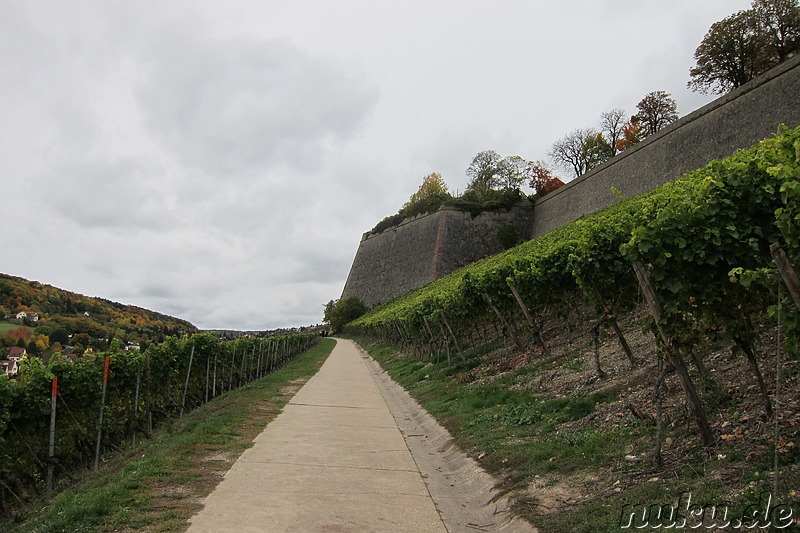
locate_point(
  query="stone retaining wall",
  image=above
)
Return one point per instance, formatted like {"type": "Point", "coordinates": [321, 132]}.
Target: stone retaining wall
{"type": "Point", "coordinates": [717, 130]}
{"type": "Point", "coordinates": [422, 249]}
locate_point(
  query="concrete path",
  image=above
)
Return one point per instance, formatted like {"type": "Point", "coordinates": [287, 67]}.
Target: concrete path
{"type": "Point", "coordinates": [336, 460]}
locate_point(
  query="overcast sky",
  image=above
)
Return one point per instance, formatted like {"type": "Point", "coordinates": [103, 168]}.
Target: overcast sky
{"type": "Point", "coordinates": [218, 161]}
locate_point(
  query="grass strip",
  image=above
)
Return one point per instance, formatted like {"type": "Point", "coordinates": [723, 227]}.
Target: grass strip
{"type": "Point", "coordinates": [158, 485]}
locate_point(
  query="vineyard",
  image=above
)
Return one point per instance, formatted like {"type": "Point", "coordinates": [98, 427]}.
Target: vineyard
{"type": "Point", "coordinates": [700, 253]}
{"type": "Point", "coordinates": [58, 418]}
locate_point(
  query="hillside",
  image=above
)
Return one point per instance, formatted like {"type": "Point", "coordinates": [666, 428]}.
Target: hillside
{"type": "Point", "coordinates": [60, 314]}
{"type": "Point", "coordinates": [574, 450]}
{"type": "Point", "coordinates": [689, 283]}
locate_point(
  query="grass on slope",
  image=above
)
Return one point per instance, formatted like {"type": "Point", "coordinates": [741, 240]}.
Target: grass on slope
{"type": "Point", "coordinates": [158, 485]}
{"type": "Point", "coordinates": [5, 327]}
{"type": "Point", "coordinates": [566, 448]}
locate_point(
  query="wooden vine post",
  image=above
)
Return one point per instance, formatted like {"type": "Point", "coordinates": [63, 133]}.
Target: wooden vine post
{"type": "Point", "coordinates": [446, 341]}
{"type": "Point", "coordinates": [455, 340]}
{"type": "Point", "coordinates": [615, 326]}
{"type": "Point", "coordinates": [260, 354]}
{"type": "Point", "coordinates": [400, 332]}
{"type": "Point", "coordinates": [100, 418]}
{"type": "Point", "coordinates": [673, 356]}
{"type": "Point", "coordinates": [596, 349]}
{"type": "Point", "coordinates": [535, 329]}
{"type": "Point", "coordinates": [787, 271]}
{"type": "Point", "coordinates": [148, 414]}
{"type": "Point", "coordinates": [241, 368]}
{"type": "Point", "coordinates": [186, 386]}
{"type": "Point", "coordinates": [432, 345]}
{"type": "Point", "coordinates": [232, 370]}
{"type": "Point", "coordinates": [503, 321]}
{"type": "Point", "coordinates": [208, 377]}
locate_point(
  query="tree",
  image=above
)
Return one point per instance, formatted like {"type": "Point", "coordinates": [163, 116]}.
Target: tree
{"type": "Point", "coordinates": [81, 338]}
{"type": "Point", "coordinates": [597, 149]}
{"type": "Point", "coordinates": [778, 21]}
{"type": "Point", "coordinates": [39, 342]}
{"type": "Point", "coordinates": [340, 312]}
{"type": "Point", "coordinates": [430, 195]}
{"type": "Point", "coordinates": [542, 179]}
{"type": "Point", "coordinates": [489, 173]}
{"type": "Point", "coordinates": [656, 111]}
{"type": "Point", "coordinates": [59, 335]}
{"type": "Point", "coordinates": [514, 170]}
{"type": "Point", "coordinates": [484, 172]}
{"type": "Point", "coordinates": [746, 44]}
{"type": "Point", "coordinates": [631, 134]}
{"type": "Point", "coordinates": [570, 153]}
{"type": "Point", "coordinates": [611, 125]}
{"type": "Point", "coordinates": [18, 337]}
{"type": "Point", "coordinates": [730, 55]}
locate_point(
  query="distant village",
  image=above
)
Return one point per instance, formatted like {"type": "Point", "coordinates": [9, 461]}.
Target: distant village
{"type": "Point", "coordinates": [12, 356]}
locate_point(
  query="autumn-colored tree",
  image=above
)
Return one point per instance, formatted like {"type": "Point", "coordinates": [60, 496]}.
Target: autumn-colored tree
{"type": "Point", "coordinates": [433, 187]}
{"type": "Point", "coordinates": [40, 342]}
{"type": "Point", "coordinates": [542, 179]}
{"type": "Point", "coordinates": [631, 134]}
{"type": "Point", "coordinates": [656, 111]}
{"type": "Point", "coordinates": [20, 336]}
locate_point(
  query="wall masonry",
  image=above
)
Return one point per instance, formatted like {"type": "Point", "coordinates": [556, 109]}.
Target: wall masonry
{"type": "Point", "coordinates": [717, 130]}
{"type": "Point", "coordinates": [427, 247]}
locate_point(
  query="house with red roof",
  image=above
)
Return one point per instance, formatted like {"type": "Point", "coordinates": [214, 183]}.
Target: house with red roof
{"type": "Point", "coordinates": [10, 366]}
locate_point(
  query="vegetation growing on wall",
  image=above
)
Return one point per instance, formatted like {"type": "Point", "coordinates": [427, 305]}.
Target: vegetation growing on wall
{"type": "Point", "coordinates": [495, 183]}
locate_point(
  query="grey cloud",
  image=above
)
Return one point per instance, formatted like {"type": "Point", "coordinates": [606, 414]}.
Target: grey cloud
{"type": "Point", "coordinates": [157, 291]}
{"type": "Point", "coordinates": [244, 105]}
{"type": "Point", "coordinates": [108, 194]}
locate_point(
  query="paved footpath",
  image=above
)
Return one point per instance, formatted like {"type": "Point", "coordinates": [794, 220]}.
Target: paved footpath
{"type": "Point", "coordinates": [333, 460]}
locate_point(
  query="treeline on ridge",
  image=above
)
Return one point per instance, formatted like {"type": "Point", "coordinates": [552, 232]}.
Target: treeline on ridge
{"type": "Point", "coordinates": [61, 314]}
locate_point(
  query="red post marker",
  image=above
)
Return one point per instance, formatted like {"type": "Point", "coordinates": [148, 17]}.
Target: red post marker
{"type": "Point", "coordinates": [105, 369]}
{"type": "Point", "coordinates": [54, 391]}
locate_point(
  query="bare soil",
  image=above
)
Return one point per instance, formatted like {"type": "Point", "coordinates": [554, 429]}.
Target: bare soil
{"type": "Point", "coordinates": [744, 435]}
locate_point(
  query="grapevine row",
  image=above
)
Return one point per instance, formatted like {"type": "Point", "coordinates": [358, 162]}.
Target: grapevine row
{"type": "Point", "coordinates": [702, 246]}
{"type": "Point", "coordinates": [138, 392]}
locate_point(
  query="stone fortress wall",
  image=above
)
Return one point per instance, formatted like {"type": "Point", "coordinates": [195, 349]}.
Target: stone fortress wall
{"type": "Point", "coordinates": [427, 247]}
{"type": "Point", "coordinates": [717, 130]}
